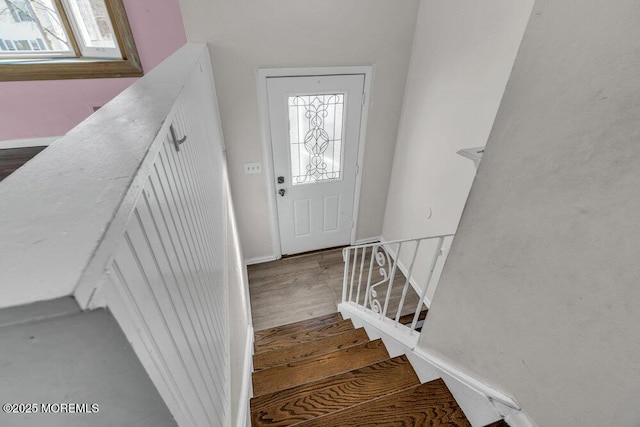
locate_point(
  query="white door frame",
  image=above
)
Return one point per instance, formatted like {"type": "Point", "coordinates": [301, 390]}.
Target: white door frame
{"type": "Point", "coordinates": [267, 153]}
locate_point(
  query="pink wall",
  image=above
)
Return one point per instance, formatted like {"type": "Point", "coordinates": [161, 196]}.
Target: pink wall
{"type": "Point", "coordinates": [33, 109]}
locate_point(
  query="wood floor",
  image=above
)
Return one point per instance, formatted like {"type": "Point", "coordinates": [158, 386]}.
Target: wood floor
{"type": "Point", "coordinates": [12, 158]}
{"type": "Point", "coordinates": [313, 368]}
{"type": "Point", "coordinates": [341, 379]}
{"type": "Point", "coordinates": [295, 288]}
{"type": "Point", "coordinates": [303, 287]}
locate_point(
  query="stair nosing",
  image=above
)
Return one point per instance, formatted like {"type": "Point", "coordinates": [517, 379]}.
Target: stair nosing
{"type": "Point", "coordinates": [333, 373]}
{"type": "Point", "coordinates": [404, 356]}
{"type": "Point", "coordinates": [344, 321]}
{"type": "Point", "coordinates": [319, 318]}
{"type": "Point", "coordinates": [354, 407]}
{"type": "Point", "coordinates": [310, 342]}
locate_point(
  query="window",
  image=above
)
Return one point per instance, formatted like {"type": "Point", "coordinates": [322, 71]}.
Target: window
{"type": "Point", "coordinates": [18, 14]}
{"type": "Point", "coordinates": [60, 39]}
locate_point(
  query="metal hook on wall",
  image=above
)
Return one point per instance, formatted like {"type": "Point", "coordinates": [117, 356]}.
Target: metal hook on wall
{"type": "Point", "coordinates": [176, 142]}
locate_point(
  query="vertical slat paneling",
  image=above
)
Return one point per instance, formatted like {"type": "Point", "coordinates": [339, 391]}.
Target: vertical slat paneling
{"type": "Point", "coordinates": [164, 219]}
{"type": "Point", "coordinates": [133, 275]}
{"type": "Point", "coordinates": [127, 312]}
{"type": "Point", "coordinates": [166, 279]}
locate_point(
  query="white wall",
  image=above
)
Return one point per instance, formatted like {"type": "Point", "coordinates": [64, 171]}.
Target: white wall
{"type": "Point", "coordinates": [540, 294]}
{"type": "Point", "coordinates": [245, 35]}
{"type": "Point", "coordinates": [462, 56]}
{"type": "Point", "coordinates": [239, 320]}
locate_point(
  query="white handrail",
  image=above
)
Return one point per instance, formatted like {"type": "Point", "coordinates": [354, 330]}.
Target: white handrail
{"type": "Point", "coordinates": [387, 258]}
{"type": "Point", "coordinates": [390, 242]}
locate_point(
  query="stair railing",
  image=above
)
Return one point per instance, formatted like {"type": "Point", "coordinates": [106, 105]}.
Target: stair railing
{"type": "Point", "coordinates": [371, 276]}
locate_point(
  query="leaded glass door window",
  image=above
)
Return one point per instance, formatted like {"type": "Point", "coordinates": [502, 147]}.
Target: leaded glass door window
{"type": "Point", "coordinates": [315, 137]}
{"type": "Point", "coordinates": [315, 129]}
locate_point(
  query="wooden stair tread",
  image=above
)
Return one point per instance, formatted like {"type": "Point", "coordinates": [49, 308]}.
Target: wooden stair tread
{"type": "Point", "coordinates": [314, 368]}
{"type": "Point", "coordinates": [301, 325]}
{"type": "Point", "coordinates": [289, 335]}
{"type": "Point", "coordinates": [429, 404]}
{"type": "Point", "coordinates": [408, 318]}
{"type": "Point", "coordinates": [499, 423]}
{"type": "Point", "coordinates": [337, 392]}
{"type": "Point", "coordinates": [326, 345]}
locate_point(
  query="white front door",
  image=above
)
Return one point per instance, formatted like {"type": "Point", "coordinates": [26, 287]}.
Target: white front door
{"type": "Point", "coordinates": [315, 129]}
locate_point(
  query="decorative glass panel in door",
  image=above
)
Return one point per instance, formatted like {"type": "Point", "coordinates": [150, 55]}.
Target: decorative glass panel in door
{"type": "Point", "coordinates": [315, 137]}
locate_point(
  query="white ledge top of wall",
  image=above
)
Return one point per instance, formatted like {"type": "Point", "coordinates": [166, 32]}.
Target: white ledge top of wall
{"type": "Point", "coordinates": [57, 208]}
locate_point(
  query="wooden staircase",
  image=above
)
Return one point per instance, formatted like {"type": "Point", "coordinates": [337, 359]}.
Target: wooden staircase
{"type": "Point", "coordinates": [324, 372]}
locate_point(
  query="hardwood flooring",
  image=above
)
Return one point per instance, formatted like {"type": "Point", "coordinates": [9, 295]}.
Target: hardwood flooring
{"type": "Point", "coordinates": [340, 381]}
{"type": "Point", "coordinates": [322, 371]}
{"type": "Point", "coordinates": [279, 341]}
{"type": "Point", "coordinates": [282, 377]}
{"type": "Point", "coordinates": [428, 404]}
{"type": "Point", "coordinates": [335, 393]}
{"type": "Point", "coordinates": [307, 286]}
{"type": "Point", "coordinates": [12, 158]}
{"type": "Point", "coordinates": [301, 351]}
{"type": "Point", "coordinates": [295, 288]}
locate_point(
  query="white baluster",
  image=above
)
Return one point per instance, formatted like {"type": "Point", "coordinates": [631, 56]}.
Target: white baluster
{"type": "Point", "coordinates": [393, 274]}
{"type": "Point", "coordinates": [353, 273]}
{"type": "Point", "coordinates": [406, 283]}
{"type": "Point", "coordinates": [367, 293]}
{"type": "Point", "coordinates": [423, 295]}
{"type": "Point", "coordinates": [346, 256]}
{"type": "Point", "coordinates": [363, 256]}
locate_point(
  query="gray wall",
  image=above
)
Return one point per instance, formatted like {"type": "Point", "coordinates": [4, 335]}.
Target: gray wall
{"type": "Point", "coordinates": [52, 354]}
{"type": "Point", "coordinates": [540, 294]}
{"type": "Point", "coordinates": [463, 52]}
{"type": "Point", "coordinates": [245, 35]}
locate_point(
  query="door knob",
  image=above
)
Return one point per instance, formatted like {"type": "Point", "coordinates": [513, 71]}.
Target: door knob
{"type": "Point", "coordinates": [281, 180]}
{"type": "Point", "coordinates": [281, 191]}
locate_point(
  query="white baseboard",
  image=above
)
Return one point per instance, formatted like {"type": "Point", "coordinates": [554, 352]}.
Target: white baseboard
{"type": "Point", "coordinates": [244, 418]}
{"type": "Point", "coordinates": [465, 383]}
{"type": "Point", "coordinates": [405, 272]}
{"type": "Point", "coordinates": [28, 142]}
{"type": "Point", "coordinates": [518, 419]}
{"type": "Point", "coordinates": [503, 404]}
{"type": "Point", "coordinates": [481, 403]}
{"type": "Point", "coordinates": [260, 259]}
{"type": "Point", "coordinates": [269, 258]}
{"type": "Point", "coordinates": [412, 281]}
{"type": "Point", "coordinates": [480, 387]}
{"type": "Point", "coordinates": [368, 240]}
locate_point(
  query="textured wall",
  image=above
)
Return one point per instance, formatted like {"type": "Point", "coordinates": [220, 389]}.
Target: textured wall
{"type": "Point", "coordinates": [539, 297]}
{"type": "Point", "coordinates": [462, 56]}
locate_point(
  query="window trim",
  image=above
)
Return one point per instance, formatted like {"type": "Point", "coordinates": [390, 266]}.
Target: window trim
{"type": "Point", "coordinates": [84, 68]}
